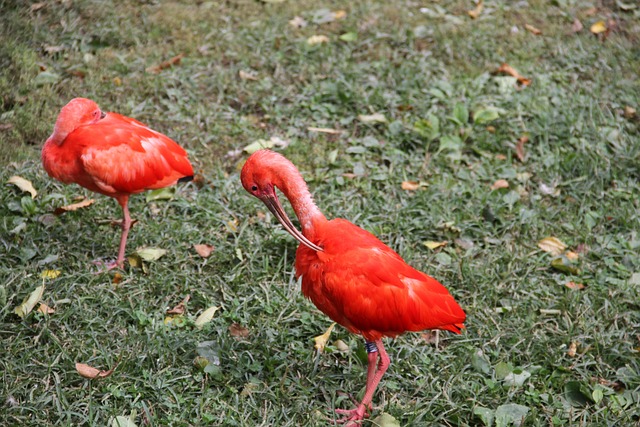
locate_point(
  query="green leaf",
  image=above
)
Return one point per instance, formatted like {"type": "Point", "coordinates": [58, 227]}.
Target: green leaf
{"type": "Point", "coordinates": [150, 254]}
{"type": "Point", "coordinates": [428, 128]}
{"type": "Point", "coordinates": [516, 378]}
{"type": "Point", "coordinates": [480, 362]}
{"type": "Point", "coordinates": [564, 265]}
{"type": "Point", "coordinates": [165, 193]}
{"type": "Point", "coordinates": [349, 37]}
{"type": "Point", "coordinates": [577, 394]}
{"type": "Point", "coordinates": [597, 394]}
{"type": "Point", "coordinates": [46, 77]}
{"type": "Point", "coordinates": [485, 115]}
{"type": "Point", "coordinates": [511, 413]}
{"type": "Point", "coordinates": [503, 369]}
{"type": "Point", "coordinates": [485, 414]}
{"type": "Point", "coordinates": [30, 302]}
{"type": "Point", "coordinates": [121, 421]}
{"type": "Point", "coordinates": [450, 142]}
{"type": "Point", "coordinates": [258, 145]}
{"type": "Point", "coordinates": [385, 420]}
{"type": "Point", "coordinates": [460, 114]}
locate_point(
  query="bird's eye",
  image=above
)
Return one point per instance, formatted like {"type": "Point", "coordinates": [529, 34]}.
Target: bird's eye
{"type": "Point", "coordinates": [254, 188]}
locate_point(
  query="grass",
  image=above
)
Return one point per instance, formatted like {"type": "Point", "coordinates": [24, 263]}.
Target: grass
{"type": "Point", "coordinates": [578, 182]}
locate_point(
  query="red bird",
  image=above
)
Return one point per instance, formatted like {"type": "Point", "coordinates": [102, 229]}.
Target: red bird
{"type": "Point", "coordinates": [350, 275]}
{"type": "Point", "coordinates": [113, 155]}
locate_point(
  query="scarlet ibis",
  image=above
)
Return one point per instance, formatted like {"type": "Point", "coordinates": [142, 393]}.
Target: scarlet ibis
{"type": "Point", "coordinates": [113, 155]}
{"type": "Point", "coordinates": [350, 275]}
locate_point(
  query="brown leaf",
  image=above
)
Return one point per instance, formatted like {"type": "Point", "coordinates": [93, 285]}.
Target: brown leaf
{"type": "Point", "coordinates": [509, 70]}
{"type": "Point", "coordinates": [573, 347]}
{"type": "Point", "coordinates": [577, 26]}
{"type": "Point", "coordinates": [166, 64]}
{"type": "Point", "coordinates": [552, 245]}
{"type": "Point", "coordinates": [180, 308]}
{"type": "Point", "coordinates": [204, 250]}
{"type": "Point", "coordinates": [474, 13]}
{"type": "Point", "coordinates": [87, 371]}
{"type": "Point", "coordinates": [501, 157]}
{"type": "Point", "coordinates": [74, 206]}
{"type": "Point", "coordinates": [533, 30]}
{"type": "Point", "coordinates": [117, 278]}
{"type": "Point", "coordinates": [501, 183]}
{"type": "Point", "coordinates": [410, 185]}
{"type": "Point", "coordinates": [520, 154]}
{"type": "Point", "coordinates": [491, 129]}
{"type": "Point", "coordinates": [244, 75]}
{"type": "Point", "coordinates": [237, 330]}
{"type": "Point", "coordinates": [37, 6]}
{"type": "Point", "coordinates": [571, 256]}
{"type": "Point", "coordinates": [629, 112]}
{"type": "Point", "coordinates": [574, 285]}
{"type": "Point", "coordinates": [45, 309]}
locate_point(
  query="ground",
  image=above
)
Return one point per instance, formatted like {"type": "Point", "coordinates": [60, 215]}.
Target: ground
{"type": "Point", "coordinates": [461, 168]}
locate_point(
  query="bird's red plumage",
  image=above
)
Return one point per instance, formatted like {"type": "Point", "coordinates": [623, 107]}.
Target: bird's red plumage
{"type": "Point", "coordinates": [364, 285]}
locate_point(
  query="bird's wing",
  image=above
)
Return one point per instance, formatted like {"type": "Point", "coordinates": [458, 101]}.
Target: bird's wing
{"type": "Point", "coordinates": [124, 156]}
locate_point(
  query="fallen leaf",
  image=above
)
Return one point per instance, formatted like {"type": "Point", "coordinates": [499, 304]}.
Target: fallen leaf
{"type": "Point", "coordinates": [45, 309]}
{"type": "Point", "coordinates": [572, 256]}
{"type": "Point", "coordinates": [123, 421]}
{"type": "Point", "coordinates": [629, 112]}
{"type": "Point", "coordinates": [533, 30]}
{"type": "Point", "coordinates": [550, 311]}
{"type": "Point", "coordinates": [298, 22]}
{"type": "Point", "coordinates": [261, 144]}
{"type": "Point", "coordinates": [74, 206]}
{"type": "Point", "coordinates": [574, 285]}
{"type": "Point", "coordinates": [28, 303]}
{"type": "Point", "coordinates": [501, 183]}
{"type": "Point", "coordinates": [150, 254]}
{"type": "Point", "coordinates": [550, 190]}
{"type": "Point", "coordinates": [317, 39]}
{"type": "Point", "coordinates": [23, 184]}
{"type": "Point", "coordinates": [385, 420]}
{"type": "Point", "coordinates": [598, 27]}
{"type": "Point", "coordinates": [237, 330]}
{"type": "Point", "coordinates": [474, 13]}
{"type": "Point", "coordinates": [37, 6]}
{"type": "Point", "coordinates": [577, 26]}
{"type": "Point", "coordinates": [372, 118]}
{"type": "Point", "coordinates": [166, 64]}
{"type": "Point", "coordinates": [6, 126]}
{"type": "Point", "coordinates": [180, 308]}
{"type": "Point", "coordinates": [50, 274]}
{"type": "Point", "coordinates": [340, 14]}
{"type": "Point", "coordinates": [341, 346]}
{"type": "Point", "coordinates": [321, 340]}
{"type": "Point", "coordinates": [520, 154]}
{"type": "Point", "coordinates": [434, 245]}
{"type": "Point", "coordinates": [204, 250]}
{"type": "Point", "coordinates": [165, 193]}
{"type": "Point", "coordinates": [53, 49]}
{"type": "Point", "coordinates": [324, 130]}
{"type": "Point", "coordinates": [349, 37]}
{"type": "Point", "coordinates": [117, 278]}
{"type": "Point", "coordinates": [410, 185]}
{"type": "Point", "coordinates": [509, 70]}
{"type": "Point", "coordinates": [573, 347]}
{"type": "Point", "coordinates": [501, 157]}
{"type": "Point", "coordinates": [552, 245]}
{"type": "Point", "coordinates": [90, 372]}
{"type": "Point", "coordinates": [563, 265]}
{"type": "Point", "coordinates": [246, 76]}
{"type": "Point", "coordinates": [206, 316]}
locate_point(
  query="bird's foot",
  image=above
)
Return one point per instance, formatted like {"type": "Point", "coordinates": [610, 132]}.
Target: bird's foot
{"type": "Point", "coordinates": [106, 266]}
{"type": "Point", "coordinates": [353, 416]}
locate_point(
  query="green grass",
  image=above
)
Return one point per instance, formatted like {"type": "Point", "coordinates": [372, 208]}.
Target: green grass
{"type": "Point", "coordinates": [407, 64]}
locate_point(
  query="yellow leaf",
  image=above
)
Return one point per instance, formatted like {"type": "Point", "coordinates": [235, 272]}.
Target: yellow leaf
{"type": "Point", "coordinates": [341, 346]}
{"type": "Point", "coordinates": [321, 340]}
{"type": "Point", "coordinates": [501, 183]}
{"type": "Point", "coordinates": [340, 14]}
{"type": "Point", "coordinates": [571, 256]}
{"type": "Point", "coordinates": [50, 274]}
{"type": "Point", "coordinates": [324, 130]}
{"type": "Point", "coordinates": [23, 184]}
{"type": "Point", "coordinates": [206, 316]}
{"type": "Point", "coordinates": [317, 39]}
{"type": "Point", "coordinates": [74, 206]}
{"type": "Point", "coordinates": [434, 245]}
{"type": "Point", "coordinates": [533, 30]}
{"type": "Point", "coordinates": [27, 305]}
{"type": "Point", "coordinates": [573, 347]}
{"type": "Point", "coordinates": [45, 309]}
{"type": "Point", "coordinates": [553, 245]}
{"type": "Point", "coordinates": [410, 185]}
{"type": "Point", "coordinates": [474, 13]}
{"type": "Point", "coordinates": [372, 118]}
{"type": "Point", "coordinates": [150, 254]}
{"type": "Point", "coordinates": [598, 27]}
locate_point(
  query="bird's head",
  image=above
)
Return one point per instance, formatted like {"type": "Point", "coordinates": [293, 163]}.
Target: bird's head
{"type": "Point", "coordinates": [265, 170]}
{"type": "Point", "coordinates": [78, 112]}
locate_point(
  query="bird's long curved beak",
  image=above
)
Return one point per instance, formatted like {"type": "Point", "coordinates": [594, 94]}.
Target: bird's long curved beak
{"type": "Point", "coordinates": [273, 204]}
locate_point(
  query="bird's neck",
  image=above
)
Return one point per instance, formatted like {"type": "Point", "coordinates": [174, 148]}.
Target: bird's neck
{"type": "Point", "coordinates": [303, 205]}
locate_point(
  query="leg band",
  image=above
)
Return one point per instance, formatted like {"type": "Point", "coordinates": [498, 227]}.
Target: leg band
{"type": "Point", "coordinates": [371, 347]}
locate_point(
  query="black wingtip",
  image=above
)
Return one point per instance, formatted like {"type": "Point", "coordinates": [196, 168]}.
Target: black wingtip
{"type": "Point", "coordinates": [186, 178]}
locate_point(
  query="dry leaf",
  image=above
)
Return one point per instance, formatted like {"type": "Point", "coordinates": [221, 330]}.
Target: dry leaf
{"type": "Point", "coordinates": [206, 316]}
{"type": "Point", "coordinates": [598, 27]}
{"type": "Point", "coordinates": [434, 245]}
{"type": "Point", "coordinates": [298, 22]}
{"type": "Point", "coordinates": [574, 285]}
{"type": "Point", "coordinates": [577, 26]}
{"type": "Point", "coordinates": [87, 371]}
{"type": "Point", "coordinates": [23, 184]}
{"type": "Point", "coordinates": [552, 245]}
{"type": "Point", "coordinates": [321, 340]}
{"type": "Point", "coordinates": [27, 305]}
{"type": "Point", "coordinates": [237, 330]}
{"type": "Point", "coordinates": [246, 76]}
{"type": "Point", "coordinates": [533, 30]}
{"type": "Point", "coordinates": [37, 6]}
{"type": "Point", "coordinates": [340, 14]}
{"type": "Point", "coordinates": [410, 185]}
{"type": "Point", "coordinates": [317, 39]}
{"type": "Point", "coordinates": [474, 13]}
{"type": "Point", "coordinates": [117, 278]}
{"type": "Point", "coordinates": [204, 250]}
{"type": "Point", "coordinates": [372, 118]}
{"type": "Point", "coordinates": [341, 346]}
{"type": "Point", "coordinates": [571, 256]}
{"type": "Point", "coordinates": [180, 308]}
{"type": "Point", "coordinates": [629, 112]}
{"type": "Point", "coordinates": [509, 70]}
{"type": "Point", "coordinates": [166, 64]}
{"type": "Point", "coordinates": [50, 274]}
{"type": "Point", "coordinates": [74, 206]}
{"type": "Point", "coordinates": [324, 130]}
{"type": "Point", "coordinates": [573, 347]}
{"type": "Point", "coordinates": [501, 183]}
{"type": "Point", "coordinates": [501, 157]}
{"type": "Point", "coordinates": [45, 309]}
{"type": "Point", "coordinates": [520, 154]}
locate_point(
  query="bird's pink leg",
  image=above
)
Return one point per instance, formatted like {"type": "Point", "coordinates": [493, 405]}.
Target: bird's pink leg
{"type": "Point", "coordinates": [374, 375]}
{"type": "Point", "coordinates": [126, 225]}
